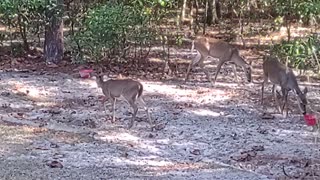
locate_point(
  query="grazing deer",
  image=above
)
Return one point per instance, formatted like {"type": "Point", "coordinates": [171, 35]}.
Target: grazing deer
{"type": "Point", "coordinates": [130, 89]}
{"type": "Point", "coordinates": [208, 47]}
{"type": "Point", "coordinates": [283, 76]}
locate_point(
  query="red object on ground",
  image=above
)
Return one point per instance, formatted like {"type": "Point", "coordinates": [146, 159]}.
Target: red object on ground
{"type": "Point", "coordinates": [85, 73]}
{"type": "Point", "coordinates": [310, 120]}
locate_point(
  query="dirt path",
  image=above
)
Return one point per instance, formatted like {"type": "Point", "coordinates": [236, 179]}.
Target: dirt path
{"type": "Point", "coordinates": [210, 133]}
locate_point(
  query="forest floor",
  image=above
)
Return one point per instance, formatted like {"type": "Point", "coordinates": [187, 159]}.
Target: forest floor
{"type": "Point", "coordinates": [53, 126]}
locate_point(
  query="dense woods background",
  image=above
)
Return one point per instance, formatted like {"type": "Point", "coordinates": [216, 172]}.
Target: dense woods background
{"type": "Point", "coordinates": [118, 31]}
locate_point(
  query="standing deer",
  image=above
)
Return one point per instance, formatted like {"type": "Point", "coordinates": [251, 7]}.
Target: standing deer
{"type": "Point", "coordinates": [129, 89]}
{"type": "Point", "coordinates": [283, 76]}
{"type": "Point", "coordinates": [208, 47]}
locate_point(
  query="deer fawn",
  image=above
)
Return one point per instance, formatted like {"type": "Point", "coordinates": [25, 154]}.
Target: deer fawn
{"type": "Point", "coordinates": [208, 47]}
{"type": "Point", "coordinates": [130, 89]}
{"type": "Point", "coordinates": [283, 76]}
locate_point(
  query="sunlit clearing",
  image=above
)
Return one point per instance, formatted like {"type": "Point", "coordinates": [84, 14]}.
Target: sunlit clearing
{"type": "Point", "coordinates": [284, 132]}
{"type": "Point", "coordinates": [37, 93]}
{"type": "Point", "coordinates": [47, 104]}
{"type": "Point", "coordinates": [205, 112]}
{"type": "Point", "coordinates": [186, 166]}
{"type": "Point", "coordinates": [146, 162]}
{"type": "Point", "coordinates": [120, 137]}
{"type": "Point", "coordinates": [88, 82]}
{"type": "Point", "coordinates": [155, 60]}
{"type": "Point", "coordinates": [169, 90]}
{"type": "Point", "coordinates": [133, 140]}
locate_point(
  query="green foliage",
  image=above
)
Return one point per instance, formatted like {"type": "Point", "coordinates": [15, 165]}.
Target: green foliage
{"type": "Point", "coordinates": [111, 29]}
{"type": "Point", "coordinates": [300, 53]}
{"type": "Point", "coordinates": [300, 9]}
{"type": "Point", "coordinates": [23, 16]}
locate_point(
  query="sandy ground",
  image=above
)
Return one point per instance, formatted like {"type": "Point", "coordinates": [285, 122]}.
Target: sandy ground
{"type": "Point", "coordinates": [53, 126]}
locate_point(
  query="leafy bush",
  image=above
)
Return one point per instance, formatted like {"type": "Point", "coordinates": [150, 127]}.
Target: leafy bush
{"type": "Point", "coordinates": [300, 53]}
{"type": "Point", "coordinates": [110, 29]}
{"type": "Point", "coordinates": [23, 16]}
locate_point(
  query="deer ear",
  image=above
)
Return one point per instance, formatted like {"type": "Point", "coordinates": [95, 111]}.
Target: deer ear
{"type": "Point", "coordinates": [305, 90]}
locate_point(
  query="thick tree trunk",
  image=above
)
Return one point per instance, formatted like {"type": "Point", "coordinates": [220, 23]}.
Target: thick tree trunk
{"type": "Point", "coordinates": [218, 8]}
{"type": "Point", "coordinates": [53, 44]}
{"type": "Point", "coordinates": [212, 13]}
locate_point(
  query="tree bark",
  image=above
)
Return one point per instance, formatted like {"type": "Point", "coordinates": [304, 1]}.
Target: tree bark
{"type": "Point", "coordinates": [191, 15]}
{"type": "Point", "coordinates": [183, 10]}
{"type": "Point", "coordinates": [212, 13]}
{"type": "Point", "coordinates": [53, 43]}
{"type": "Point", "coordinates": [205, 17]}
{"type": "Point", "coordinates": [196, 25]}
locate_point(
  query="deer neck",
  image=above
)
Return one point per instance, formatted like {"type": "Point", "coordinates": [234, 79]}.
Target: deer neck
{"type": "Point", "coordinates": [99, 81]}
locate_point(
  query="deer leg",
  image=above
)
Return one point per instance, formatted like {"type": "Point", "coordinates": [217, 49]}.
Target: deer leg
{"type": "Point", "coordinates": [146, 109]}
{"type": "Point", "coordinates": [276, 99]}
{"type": "Point", "coordinates": [188, 71]}
{"type": "Point", "coordinates": [265, 81]}
{"type": "Point", "coordinates": [197, 59]}
{"type": "Point", "coordinates": [220, 63]}
{"type": "Point", "coordinates": [105, 106]}
{"type": "Point", "coordinates": [285, 101]}
{"type": "Point", "coordinates": [262, 91]}
{"type": "Point", "coordinates": [113, 109]}
{"type": "Point", "coordinates": [135, 110]}
{"type": "Point", "coordinates": [206, 72]}
{"type": "Point", "coordinates": [235, 73]}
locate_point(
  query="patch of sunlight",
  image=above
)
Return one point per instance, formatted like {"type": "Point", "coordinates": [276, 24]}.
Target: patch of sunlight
{"type": "Point", "coordinates": [284, 132]}
{"type": "Point", "coordinates": [185, 144]}
{"type": "Point", "coordinates": [155, 60]}
{"type": "Point", "coordinates": [205, 112]}
{"type": "Point", "coordinates": [119, 137]}
{"type": "Point", "coordinates": [163, 141]}
{"type": "Point", "coordinates": [187, 166]}
{"type": "Point", "coordinates": [138, 143]}
{"type": "Point", "coordinates": [47, 104]}
{"type": "Point", "coordinates": [88, 82]}
{"type": "Point", "coordinates": [149, 147]}
{"type": "Point", "coordinates": [19, 105]}
{"type": "Point", "coordinates": [18, 138]}
{"type": "Point", "coordinates": [168, 90]}
{"type": "Point", "coordinates": [35, 93]}
{"type": "Point", "coordinates": [138, 162]}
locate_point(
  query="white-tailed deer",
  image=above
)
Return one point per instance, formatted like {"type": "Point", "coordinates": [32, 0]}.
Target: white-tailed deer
{"type": "Point", "coordinates": [283, 76]}
{"type": "Point", "coordinates": [129, 89]}
{"type": "Point", "coordinates": [209, 47]}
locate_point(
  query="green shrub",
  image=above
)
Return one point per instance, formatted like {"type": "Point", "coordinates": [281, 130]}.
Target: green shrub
{"type": "Point", "coordinates": [300, 53]}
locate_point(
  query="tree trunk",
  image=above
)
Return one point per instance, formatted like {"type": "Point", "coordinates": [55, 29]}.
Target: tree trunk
{"type": "Point", "coordinates": [196, 25]}
{"type": "Point", "coordinates": [212, 14]}
{"type": "Point", "coordinates": [183, 10]}
{"type": "Point", "coordinates": [205, 17]}
{"type": "Point", "coordinates": [191, 15]}
{"type": "Point", "coordinates": [53, 43]}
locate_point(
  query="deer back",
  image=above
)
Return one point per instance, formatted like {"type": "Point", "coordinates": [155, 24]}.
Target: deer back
{"type": "Point", "coordinates": [275, 71]}
{"type": "Point", "coordinates": [127, 88]}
